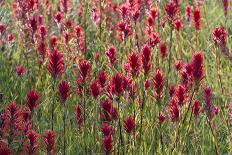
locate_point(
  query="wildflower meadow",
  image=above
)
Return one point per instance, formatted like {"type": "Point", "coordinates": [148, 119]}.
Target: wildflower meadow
{"type": "Point", "coordinates": [120, 77]}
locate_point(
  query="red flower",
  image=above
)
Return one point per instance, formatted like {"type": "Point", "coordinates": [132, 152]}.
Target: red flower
{"type": "Point", "coordinates": [123, 30]}
{"type": "Point", "coordinates": [102, 77]}
{"type": "Point", "coordinates": [181, 94]}
{"type": "Point", "coordinates": [129, 124]}
{"type": "Point", "coordinates": [188, 11]}
{"type": "Point", "coordinates": [179, 65]}
{"type": "Point", "coordinates": [63, 91]}
{"type": "Point", "coordinates": [196, 108]}
{"type": "Point", "coordinates": [49, 141]}
{"type": "Point", "coordinates": [41, 51]}
{"type": "Point", "coordinates": [162, 117]}
{"type": "Point", "coordinates": [42, 31]}
{"type": "Point", "coordinates": [225, 6]}
{"type": "Point", "coordinates": [32, 100]}
{"type": "Point", "coordinates": [107, 144]}
{"type": "Point", "coordinates": [20, 70]}
{"type": "Point", "coordinates": [209, 108]}
{"type": "Point", "coordinates": [12, 121]}
{"type": "Point", "coordinates": [33, 24]}
{"type": "Point", "coordinates": [4, 150]}
{"type": "Point", "coordinates": [106, 129]}
{"type": "Point", "coordinates": [171, 91]}
{"type": "Point", "coordinates": [146, 59]}
{"type": "Point", "coordinates": [84, 69]}
{"type": "Point", "coordinates": [219, 36]}
{"type": "Point", "coordinates": [154, 39]}
{"type": "Point", "coordinates": [95, 89]}
{"type": "Point", "coordinates": [58, 17]}
{"type": "Point", "coordinates": [198, 67]}
{"type": "Point", "coordinates": [53, 42]}
{"type": "Point", "coordinates": [171, 9]}
{"type": "Point", "coordinates": [158, 80]}
{"type": "Point", "coordinates": [163, 50]}
{"type": "Point", "coordinates": [178, 24]}
{"type": "Point", "coordinates": [78, 116]}
{"type": "Point", "coordinates": [32, 144]}
{"type": "Point", "coordinates": [106, 110]}
{"type": "Point", "coordinates": [134, 62]}
{"type": "Point", "coordinates": [116, 84]}
{"type": "Point", "coordinates": [111, 55]}
{"type": "Point", "coordinates": [173, 110]}
{"type": "Point", "coordinates": [147, 84]}
{"type": "Point", "coordinates": [56, 64]}
{"type": "Point", "coordinates": [154, 13]}
{"type": "Point", "coordinates": [197, 18]}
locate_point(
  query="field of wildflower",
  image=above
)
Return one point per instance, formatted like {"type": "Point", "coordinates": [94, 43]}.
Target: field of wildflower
{"type": "Point", "coordinates": [120, 77]}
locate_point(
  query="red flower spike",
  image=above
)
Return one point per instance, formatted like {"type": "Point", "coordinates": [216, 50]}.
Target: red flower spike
{"type": "Point", "coordinates": [225, 6]}
{"type": "Point", "coordinates": [158, 80]}
{"type": "Point", "coordinates": [106, 129]}
{"type": "Point", "coordinates": [178, 24]}
{"type": "Point", "coordinates": [173, 110]}
{"type": "Point", "coordinates": [146, 59]}
{"type": "Point", "coordinates": [84, 69]}
{"type": "Point", "coordinates": [198, 67]}
{"type": "Point", "coordinates": [188, 12]}
{"type": "Point", "coordinates": [32, 100]}
{"type": "Point", "coordinates": [197, 18]}
{"type": "Point", "coordinates": [163, 50]}
{"type": "Point", "coordinates": [134, 63]}
{"type": "Point", "coordinates": [63, 91]}
{"type": "Point", "coordinates": [95, 89]}
{"type": "Point", "coordinates": [20, 70]}
{"type": "Point", "coordinates": [4, 150]}
{"type": "Point", "coordinates": [129, 124]}
{"type": "Point", "coordinates": [161, 118]}
{"type": "Point", "coordinates": [58, 17]}
{"type": "Point", "coordinates": [111, 55]}
{"type": "Point", "coordinates": [181, 94]}
{"type": "Point", "coordinates": [32, 144]}
{"type": "Point", "coordinates": [219, 36]}
{"type": "Point", "coordinates": [102, 78]}
{"type": "Point", "coordinates": [49, 138]}
{"type": "Point", "coordinates": [171, 9]}
{"type": "Point", "coordinates": [78, 116]}
{"type": "Point", "coordinates": [107, 144]}
{"type": "Point", "coordinates": [56, 64]}
{"type": "Point", "coordinates": [196, 108]}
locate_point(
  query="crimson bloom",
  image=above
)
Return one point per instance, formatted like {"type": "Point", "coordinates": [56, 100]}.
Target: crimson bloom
{"type": "Point", "coordinates": [111, 55]}
{"type": "Point", "coordinates": [188, 11]}
{"type": "Point", "coordinates": [32, 144]}
{"type": "Point", "coordinates": [63, 91]}
{"type": "Point", "coordinates": [106, 129]}
{"type": "Point", "coordinates": [134, 63]}
{"type": "Point", "coordinates": [49, 138]}
{"type": "Point", "coordinates": [56, 64]}
{"type": "Point", "coordinates": [197, 18]}
{"type": "Point", "coordinates": [116, 84]}
{"type": "Point", "coordinates": [78, 116]}
{"type": "Point", "coordinates": [209, 108]}
{"type": "Point", "coordinates": [102, 77]}
{"type": "Point", "coordinates": [146, 59]}
{"type": "Point", "coordinates": [181, 94]}
{"type": "Point", "coordinates": [95, 89]}
{"type": "Point", "coordinates": [163, 50]}
{"type": "Point", "coordinates": [219, 36]}
{"type": "Point", "coordinates": [107, 144]}
{"type": "Point", "coordinates": [162, 117]}
{"type": "Point", "coordinates": [198, 67]}
{"type": "Point", "coordinates": [171, 9]}
{"type": "Point", "coordinates": [84, 69]}
{"type": "Point", "coordinates": [173, 110]}
{"type": "Point", "coordinates": [196, 108]}
{"type": "Point", "coordinates": [32, 100]}
{"type": "Point", "coordinates": [129, 124]}
{"type": "Point", "coordinates": [225, 6]}
{"type": "Point", "coordinates": [158, 80]}
{"type": "Point", "coordinates": [20, 70]}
